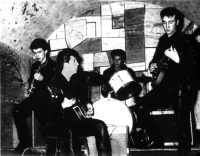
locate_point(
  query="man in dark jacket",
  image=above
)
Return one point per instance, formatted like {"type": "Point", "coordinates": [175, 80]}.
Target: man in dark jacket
{"type": "Point", "coordinates": [74, 105]}
{"type": "Point", "coordinates": [37, 96]}
{"type": "Point", "coordinates": [173, 71]}
{"type": "Point", "coordinates": [133, 88]}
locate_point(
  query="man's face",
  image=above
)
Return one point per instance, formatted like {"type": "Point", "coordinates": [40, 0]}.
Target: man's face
{"type": "Point", "coordinates": [169, 24]}
{"type": "Point", "coordinates": [118, 62]}
{"type": "Point", "coordinates": [72, 65]}
{"type": "Point", "coordinates": [40, 54]}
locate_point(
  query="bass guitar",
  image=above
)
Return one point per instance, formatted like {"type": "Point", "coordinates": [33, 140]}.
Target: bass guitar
{"type": "Point", "coordinates": [57, 94]}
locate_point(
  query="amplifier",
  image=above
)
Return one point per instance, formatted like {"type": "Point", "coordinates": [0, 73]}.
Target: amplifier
{"type": "Point", "coordinates": [167, 126]}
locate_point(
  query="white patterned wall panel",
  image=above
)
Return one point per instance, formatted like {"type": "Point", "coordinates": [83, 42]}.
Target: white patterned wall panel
{"type": "Point", "coordinates": [113, 43]}
{"type": "Point", "coordinates": [75, 32]}
{"type": "Point", "coordinates": [108, 31]}
{"type": "Point", "coordinates": [101, 59]}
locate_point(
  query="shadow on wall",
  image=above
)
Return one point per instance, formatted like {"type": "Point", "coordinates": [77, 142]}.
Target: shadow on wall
{"type": "Point", "coordinates": [12, 90]}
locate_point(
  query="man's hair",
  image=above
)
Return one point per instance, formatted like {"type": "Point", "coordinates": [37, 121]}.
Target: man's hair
{"type": "Point", "coordinates": [40, 43]}
{"type": "Point", "coordinates": [171, 11]}
{"type": "Point", "coordinates": [118, 52]}
{"type": "Point", "coordinates": [64, 56]}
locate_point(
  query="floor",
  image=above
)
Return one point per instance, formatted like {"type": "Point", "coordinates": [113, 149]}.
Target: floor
{"type": "Point", "coordinates": [164, 152]}
{"type": "Point", "coordinates": [133, 152]}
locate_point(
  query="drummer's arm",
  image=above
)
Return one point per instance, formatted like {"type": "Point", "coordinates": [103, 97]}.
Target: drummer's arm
{"type": "Point", "coordinates": [105, 89]}
{"type": "Point", "coordinates": [132, 72]}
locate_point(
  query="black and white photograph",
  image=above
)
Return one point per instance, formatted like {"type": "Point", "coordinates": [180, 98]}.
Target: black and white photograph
{"type": "Point", "coordinates": [100, 77]}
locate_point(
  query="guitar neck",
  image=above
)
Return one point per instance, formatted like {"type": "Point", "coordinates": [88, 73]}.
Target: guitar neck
{"type": "Point", "coordinates": [32, 87]}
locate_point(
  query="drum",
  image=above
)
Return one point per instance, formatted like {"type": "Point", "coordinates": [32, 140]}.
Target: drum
{"type": "Point", "coordinates": [124, 85]}
{"type": "Point", "coordinates": [114, 113]}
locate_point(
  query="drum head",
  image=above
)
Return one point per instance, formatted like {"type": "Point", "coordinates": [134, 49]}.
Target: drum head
{"type": "Point", "coordinates": [113, 113]}
{"type": "Point", "coordinates": [129, 90]}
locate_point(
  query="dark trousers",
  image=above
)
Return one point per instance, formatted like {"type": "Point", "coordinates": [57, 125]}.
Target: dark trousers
{"type": "Point", "coordinates": [71, 133]}
{"type": "Point", "coordinates": [88, 127]}
{"type": "Point", "coordinates": [161, 97]}
{"type": "Point", "coordinates": [187, 98]}
{"type": "Point", "coordinates": [24, 109]}
{"type": "Point", "coordinates": [93, 127]}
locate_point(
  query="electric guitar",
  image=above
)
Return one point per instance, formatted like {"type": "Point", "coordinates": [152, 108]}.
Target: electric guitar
{"type": "Point", "coordinates": [80, 113]}
{"type": "Point", "coordinates": [159, 73]}
{"type": "Point", "coordinates": [32, 84]}
{"type": "Point", "coordinates": [162, 64]}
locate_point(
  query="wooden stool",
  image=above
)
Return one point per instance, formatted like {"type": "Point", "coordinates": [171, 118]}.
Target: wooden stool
{"type": "Point", "coordinates": [118, 138]}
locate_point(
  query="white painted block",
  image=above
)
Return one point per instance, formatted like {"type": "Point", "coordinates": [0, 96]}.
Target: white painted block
{"type": "Point", "coordinates": [108, 31]}
{"type": "Point", "coordinates": [113, 43]}
{"type": "Point", "coordinates": [58, 44]}
{"type": "Point", "coordinates": [75, 32]}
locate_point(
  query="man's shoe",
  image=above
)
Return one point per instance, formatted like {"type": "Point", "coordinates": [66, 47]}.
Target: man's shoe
{"type": "Point", "coordinates": [142, 140]}
{"type": "Point", "coordinates": [21, 147]}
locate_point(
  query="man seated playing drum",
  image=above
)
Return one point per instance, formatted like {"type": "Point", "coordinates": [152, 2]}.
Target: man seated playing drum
{"type": "Point", "coordinates": [122, 84]}
{"type": "Point", "coordinates": [121, 80]}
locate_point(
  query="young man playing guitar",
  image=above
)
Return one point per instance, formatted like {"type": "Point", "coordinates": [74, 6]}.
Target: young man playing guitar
{"type": "Point", "coordinates": [37, 96]}
{"type": "Point", "coordinates": [172, 67]}
{"type": "Point", "coordinates": [73, 99]}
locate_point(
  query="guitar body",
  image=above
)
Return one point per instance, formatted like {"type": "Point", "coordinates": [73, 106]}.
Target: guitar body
{"type": "Point", "coordinates": [160, 72]}
{"type": "Point", "coordinates": [74, 111]}
{"type": "Point", "coordinates": [74, 114]}
{"type": "Point", "coordinates": [79, 112]}
{"type": "Point", "coordinates": [159, 78]}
